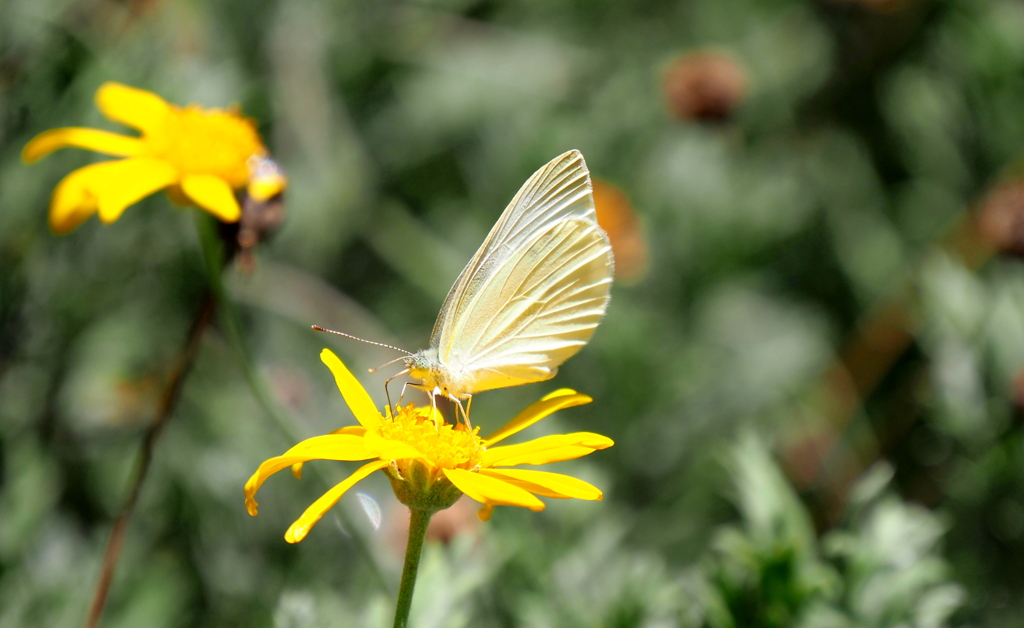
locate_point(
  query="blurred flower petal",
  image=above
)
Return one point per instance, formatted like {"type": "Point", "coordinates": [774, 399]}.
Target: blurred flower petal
{"type": "Point", "coordinates": [108, 187]}
{"type": "Point", "coordinates": [212, 194]}
{"type": "Point", "coordinates": [201, 156]}
{"type": "Point", "coordinates": [131, 106]}
{"type": "Point", "coordinates": [77, 137]}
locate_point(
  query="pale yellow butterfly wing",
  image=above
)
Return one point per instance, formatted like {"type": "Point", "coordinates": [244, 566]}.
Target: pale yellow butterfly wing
{"type": "Point", "coordinates": [561, 189]}
{"type": "Point", "coordinates": [533, 294]}
{"type": "Point", "coordinates": [550, 297]}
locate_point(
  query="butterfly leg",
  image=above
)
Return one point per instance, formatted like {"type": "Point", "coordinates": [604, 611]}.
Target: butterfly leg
{"type": "Point", "coordinates": [391, 408]}
{"type": "Point", "coordinates": [465, 410]}
{"type": "Point", "coordinates": [402, 396]}
{"type": "Point", "coordinates": [435, 413]}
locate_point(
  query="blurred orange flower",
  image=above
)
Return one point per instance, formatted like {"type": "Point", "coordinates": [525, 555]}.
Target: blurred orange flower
{"type": "Point", "coordinates": [1000, 218]}
{"type": "Point", "coordinates": [616, 216]}
{"type": "Point", "coordinates": [200, 156]}
{"type": "Point", "coordinates": [431, 463]}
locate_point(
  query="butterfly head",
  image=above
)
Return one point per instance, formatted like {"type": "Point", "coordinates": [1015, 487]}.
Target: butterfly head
{"type": "Point", "coordinates": [435, 376]}
{"type": "Point", "coordinates": [421, 366]}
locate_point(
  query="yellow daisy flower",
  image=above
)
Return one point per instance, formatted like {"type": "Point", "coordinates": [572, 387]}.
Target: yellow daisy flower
{"type": "Point", "coordinates": [200, 156]}
{"type": "Point", "coordinates": [430, 463]}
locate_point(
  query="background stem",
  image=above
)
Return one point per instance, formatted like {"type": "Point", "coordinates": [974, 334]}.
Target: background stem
{"type": "Point", "coordinates": [419, 520]}
{"type": "Point", "coordinates": [168, 403]}
{"type": "Point", "coordinates": [213, 254]}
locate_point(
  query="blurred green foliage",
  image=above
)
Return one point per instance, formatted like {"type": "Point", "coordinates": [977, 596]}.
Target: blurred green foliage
{"type": "Point", "coordinates": [881, 568]}
{"type": "Point", "coordinates": [864, 132]}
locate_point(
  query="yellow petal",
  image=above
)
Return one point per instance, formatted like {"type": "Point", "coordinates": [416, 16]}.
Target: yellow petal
{"type": "Point", "coordinates": [387, 449]}
{"type": "Point", "coordinates": [305, 523]}
{"type": "Point", "coordinates": [329, 447]}
{"type": "Point", "coordinates": [562, 398]}
{"type": "Point", "coordinates": [356, 430]}
{"type": "Point", "coordinates": [547, 484]}
{"type": "Point", "coordinates": [134, 107]}
{"type": "Point", "coordinates": [546, 449]}
{"type": "Point", "coordinates": [72, 202]}
{"type": "Point", "coordinates": [109, 187]}
{"type": "Point", "coordinates": [484, 514]}
{"type": "Point", "coordinates": [76, 137]}
{"type": "Point", "coordinates": [546, 456]}
{"type": "Point", "coordinates": [355, 395]}
{"type": "Point", "coordinates": [488, 490]}
{"type": "Point", "coordinates": [128, 181]}
{"type": "Point", "coordinates": [561, 392]}
{"type": "Point", "coordinates": [212, 194]}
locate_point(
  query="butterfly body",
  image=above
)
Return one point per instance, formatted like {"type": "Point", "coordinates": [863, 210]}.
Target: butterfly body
{"type": "Point", "coordinates": [532, 295]}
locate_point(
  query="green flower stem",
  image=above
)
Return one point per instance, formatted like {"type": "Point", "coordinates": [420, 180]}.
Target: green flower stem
{"type": "Point", "coordinates": [213, 255]}
{"type": "Point", "coordinates": [419, 520]}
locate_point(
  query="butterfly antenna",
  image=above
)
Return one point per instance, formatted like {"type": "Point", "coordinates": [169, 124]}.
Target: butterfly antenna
{"type": "Point", "coordinates": [377, 368]}
{"type": "Point", "coordinates": [369, 342]}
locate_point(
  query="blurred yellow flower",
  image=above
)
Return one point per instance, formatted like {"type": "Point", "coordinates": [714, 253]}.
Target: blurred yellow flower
{"type": "Point", "coordinates": [200, 156]}
{"type": "Point", "coordinates": [431, 463]}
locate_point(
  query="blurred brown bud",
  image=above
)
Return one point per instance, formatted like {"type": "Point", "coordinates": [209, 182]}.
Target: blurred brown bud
{"type": "Point", "coordinates": [704, 85]}
{"type": "Point", "coordinates": [615, 215]}
{"type": "Point", "coordinates": [1017, 392]}
{"type": "Point", "coordinates": [878, 6]}
{"type": "Point", "coordinates": [260, 219]}
{"type": "Point", "coordinates": [1000, 218]}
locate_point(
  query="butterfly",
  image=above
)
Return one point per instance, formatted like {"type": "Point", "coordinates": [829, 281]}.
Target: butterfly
{"type": "Point", "coordinates": [530, 298]}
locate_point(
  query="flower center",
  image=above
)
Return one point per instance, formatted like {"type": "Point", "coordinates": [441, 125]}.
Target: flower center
{"type": "Point", "coordinates": [207, 141]}
{"type": "Point", "coordinates": [446, 446]}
